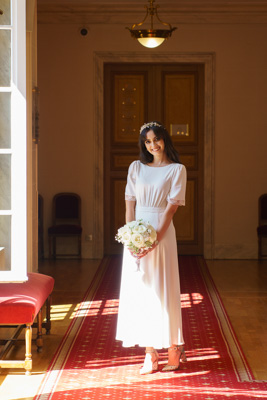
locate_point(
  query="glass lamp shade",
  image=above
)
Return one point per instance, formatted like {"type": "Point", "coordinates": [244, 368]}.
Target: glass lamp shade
{"type": "Point", "coordinates": [151, 37]}
{"type": "Point", "coordinates": [151, 42]}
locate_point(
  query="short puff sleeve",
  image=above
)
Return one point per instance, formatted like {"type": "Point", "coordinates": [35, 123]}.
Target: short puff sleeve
{"type": "Point", "coordinates": [131, 179]}
{"type": "Point", "coordinates": [176, 195]}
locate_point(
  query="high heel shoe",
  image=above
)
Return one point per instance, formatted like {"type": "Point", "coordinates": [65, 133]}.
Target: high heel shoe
{"type": "Point", "coordinates": [181, 356]}
{"type": "Point", "coordinates": [151, 362]}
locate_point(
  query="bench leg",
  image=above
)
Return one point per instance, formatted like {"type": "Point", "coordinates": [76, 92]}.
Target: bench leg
{"type": "Point", "coordinates": [48, 316]}
{"type": "Point", "coordinates": [39, 340]}
{"type": "Point", "coordinates": [28, 354]}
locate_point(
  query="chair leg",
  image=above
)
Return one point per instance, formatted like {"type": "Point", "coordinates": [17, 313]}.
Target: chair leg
{"type": "Point", "coordinates": [50, 246]}
{"type": "Point", "coordinates": [28, 354]}
{"type": "Point", "coordinates": [53, 244]}
{"type": "Point", "coordinates": [259, 248]}
{"type": "Point", "coordinates": [54, 247]}
{"type": "Point", "coordinates": [80, 246]}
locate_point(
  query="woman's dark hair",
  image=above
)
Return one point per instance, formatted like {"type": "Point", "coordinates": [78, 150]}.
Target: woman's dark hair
{"type": "Point", "coordinates": [161, 133]}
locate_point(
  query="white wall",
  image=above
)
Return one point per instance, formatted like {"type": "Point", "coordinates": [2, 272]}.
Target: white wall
{"type": "Point", "coordinates": [65, 79]}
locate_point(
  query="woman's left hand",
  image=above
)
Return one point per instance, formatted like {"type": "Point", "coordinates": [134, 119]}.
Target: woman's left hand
{"type": "Point", "coordinates": [145, 252]}
{"type": "Point", "coordinates": [140, 255]}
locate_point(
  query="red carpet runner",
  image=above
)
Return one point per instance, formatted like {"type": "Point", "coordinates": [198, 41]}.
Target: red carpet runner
{"type": "Point", "coordinates": [90, 364]}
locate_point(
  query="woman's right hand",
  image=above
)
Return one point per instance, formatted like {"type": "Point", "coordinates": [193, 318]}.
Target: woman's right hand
{"type": "Point", "coordinates": [140, 255]}
{"type": "Point", "coordinates": [145, 252]}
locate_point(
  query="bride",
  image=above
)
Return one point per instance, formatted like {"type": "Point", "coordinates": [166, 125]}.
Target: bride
{"type": "Point", "coordinates": [150, 306]}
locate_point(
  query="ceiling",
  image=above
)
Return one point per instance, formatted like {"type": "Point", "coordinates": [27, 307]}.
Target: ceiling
{"type": "Point", "coordinates": [159, 2]}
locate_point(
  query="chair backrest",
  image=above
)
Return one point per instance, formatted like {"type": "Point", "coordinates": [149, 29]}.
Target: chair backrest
{"type": "Point", "coordinates": [263, 209]}
{"type": "Point", "coordinates": [67, 208]}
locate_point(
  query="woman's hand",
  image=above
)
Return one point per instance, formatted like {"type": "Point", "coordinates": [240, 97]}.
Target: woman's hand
{"type": "Point", "coordinates": [140, 255]}
{"type": "Point", "coordinates": [145, 252]}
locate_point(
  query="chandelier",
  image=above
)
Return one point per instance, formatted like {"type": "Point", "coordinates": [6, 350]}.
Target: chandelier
{"type": "Point", "coordinates": [151, 37]}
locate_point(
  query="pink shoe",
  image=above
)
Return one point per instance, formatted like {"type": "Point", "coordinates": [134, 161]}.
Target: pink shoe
{"type": "Point", "coordinates": [151, 362]}
{"type": "Point", "coordinates": [180, 355]}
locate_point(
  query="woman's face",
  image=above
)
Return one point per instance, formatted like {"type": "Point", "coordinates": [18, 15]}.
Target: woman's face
{"type": "Point", "coordinates": [154, 145]}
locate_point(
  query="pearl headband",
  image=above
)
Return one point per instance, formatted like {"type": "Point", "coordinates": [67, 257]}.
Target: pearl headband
{"type": "Point", "coordinates": [148, 125]}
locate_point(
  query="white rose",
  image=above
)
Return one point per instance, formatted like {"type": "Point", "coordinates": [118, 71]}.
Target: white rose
{"type": "Point", "coordinates": [140, 229]}
{"type": "Point", "coordinates": [123, 229]}
{"type": "Point", "coordinates": [153, 234]}
{"type": "Point", "coordinates": [131, 224]}
{"type": "Point", "coordinates": [126, 237]}
{"type": "Point", "coordinates": [124, 234]}
{"type": "Point", "coordinates": [138, 240]}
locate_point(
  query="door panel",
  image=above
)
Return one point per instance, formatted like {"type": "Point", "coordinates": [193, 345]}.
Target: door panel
{"type": "Point", "coordinates": [121, 162]}
{"type": "Point", "coordinates": [179, 107]}
{"type": "Point", "coordinates": [118, 217]}
{"type": "Point", "coordinates": [125, 110]}
{"type": "Point", "coordinates": [184, 219]}
{"type": "Point", "coordinates": [132, 98]}
{"type": "Point", "coordinates": [183, 106]}
{"type": "Point", "coordinates": [190, 160]}
{"type": "Point", "coordinates": [129, 107]}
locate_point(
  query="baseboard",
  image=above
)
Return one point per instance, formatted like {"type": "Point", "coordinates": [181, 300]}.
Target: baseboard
{"type": "Point", "coordinates": [235, 251]}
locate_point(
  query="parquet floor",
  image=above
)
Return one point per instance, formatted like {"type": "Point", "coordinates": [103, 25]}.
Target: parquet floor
{"type": "Point", "coordinates": [242, 285]}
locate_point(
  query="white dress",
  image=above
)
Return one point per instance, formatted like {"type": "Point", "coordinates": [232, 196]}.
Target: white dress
{"type": "Point", "coordinates": [150, 307]}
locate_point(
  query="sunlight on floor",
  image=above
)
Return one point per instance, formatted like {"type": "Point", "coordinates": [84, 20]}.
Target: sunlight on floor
{"type": "Point", "coordinates": [99, 307]}
{"type": "Point", "coordinates": [105, 307]}
{"type": "Point", "coordinates": [60, 311]}
{"type": "Point", "coordinates": [147, 386]}
{"type": "Point", "coordinates": [189, 299]}
{"type": "Point", "coordinates": [111, 378]}
{"type": "Point", "coordinates": [26, 385]}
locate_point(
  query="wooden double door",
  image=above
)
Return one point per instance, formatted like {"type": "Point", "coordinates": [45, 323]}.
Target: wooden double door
{"type": "Point", "coordinates": [174, 95]}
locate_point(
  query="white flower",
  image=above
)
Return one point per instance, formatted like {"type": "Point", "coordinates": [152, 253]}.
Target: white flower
{"type": "Point", "coordinates": [152, 233]}
{"type": "Point", "coordinates": [131, 224]}
{"type": "Point", "coordinates": [139, 229]}
{"type": "Point", "coordinates": [138, 240]}
{"type": "Point", "coordinates": [137, 236]}
{"type": "Point", "coordinates": [126, 237]}
{"type": "Point", "coordinates": [123, 229]}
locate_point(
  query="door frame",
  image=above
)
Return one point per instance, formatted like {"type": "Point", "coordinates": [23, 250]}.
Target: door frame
{"type": "Point", "coordinates": [100, 58]}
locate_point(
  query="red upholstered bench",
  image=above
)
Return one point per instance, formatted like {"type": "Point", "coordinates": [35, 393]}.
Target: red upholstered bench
{"type": "Point", "coordinates": [20, 304]}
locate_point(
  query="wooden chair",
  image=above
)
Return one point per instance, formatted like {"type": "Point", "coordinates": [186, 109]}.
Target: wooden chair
{"type": "Point", "coordinates": [66, 211]}
{"type": "Point", "coordinates": [262, 227]}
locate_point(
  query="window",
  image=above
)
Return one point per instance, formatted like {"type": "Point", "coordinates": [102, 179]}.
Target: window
{"type": "Point", "coordinates": [13, 215]}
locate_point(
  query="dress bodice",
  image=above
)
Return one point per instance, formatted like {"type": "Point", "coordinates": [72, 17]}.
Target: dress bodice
{"type": "Point", "coordinates": [156, 186]}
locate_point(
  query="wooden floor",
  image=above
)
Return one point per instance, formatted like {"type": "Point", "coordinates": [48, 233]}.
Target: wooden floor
{"type": "Point", "coordinates": [242, 285]}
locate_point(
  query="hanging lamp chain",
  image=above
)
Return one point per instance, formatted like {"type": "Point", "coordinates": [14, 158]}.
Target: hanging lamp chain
{"type": "Point", "coordinates": [151, 10]}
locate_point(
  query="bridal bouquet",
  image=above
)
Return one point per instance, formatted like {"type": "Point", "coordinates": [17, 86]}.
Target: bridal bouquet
{"type": "Point", "coordinates": [138, 236]}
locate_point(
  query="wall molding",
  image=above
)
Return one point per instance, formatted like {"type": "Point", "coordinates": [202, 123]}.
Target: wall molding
{"type": "Point", "coordinates": [208, 59]}
{"type": "Point", "coordinates": [184, 12]}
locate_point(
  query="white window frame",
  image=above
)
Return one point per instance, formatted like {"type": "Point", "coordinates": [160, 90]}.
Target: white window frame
{"type": "Point", "coordinates": [18, 212]}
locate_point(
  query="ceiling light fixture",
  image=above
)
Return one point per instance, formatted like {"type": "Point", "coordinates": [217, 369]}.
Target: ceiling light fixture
{"type": "Point", "coordinates": [151, 37]}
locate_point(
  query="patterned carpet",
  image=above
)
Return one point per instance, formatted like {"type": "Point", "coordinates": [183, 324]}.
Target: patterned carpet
{"type": "Point", "coordinates": [90, 364]}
